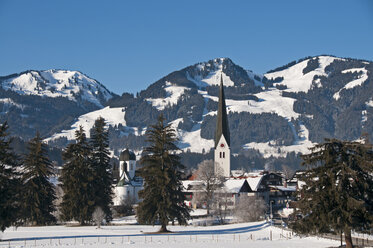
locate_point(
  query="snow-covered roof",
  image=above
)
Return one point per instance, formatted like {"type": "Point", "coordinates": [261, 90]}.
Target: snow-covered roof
{"type": "Point", "coordinates": [234, 185]}
{"type": "Point", "coordinates": [190, 183]}
{"type": "Point", "coordinates": [254, 181]}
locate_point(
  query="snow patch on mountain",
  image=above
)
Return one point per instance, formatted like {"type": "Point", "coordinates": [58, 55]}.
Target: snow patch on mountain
{"type": "Point", "coordinates": [254, 77]}
{"type": "Point", "coordinates": [7, 103]}
{"type": "Point", "coordinates": [270, 101]}
{"type": "Point", "coordinates": [364, 117]}
{"type": "Point", "coordinates": [192, 140]}
{"type": "Point", "coordinates": [58, 83]}
{"type": "Point", "coordinates": [173, 94]}
{"type": "Point", "coordinates": [369, 103]}
{"type": "Point", "coordinates": [294, 78]}
{"type": "Point", "coordinates": [357, 82]}
{"type": "Point", "coordinates": [270, 148]}
{"type": "Point", "coordinates": [112, 116]}
{"type": "Point", "coordinates": [213, 78]}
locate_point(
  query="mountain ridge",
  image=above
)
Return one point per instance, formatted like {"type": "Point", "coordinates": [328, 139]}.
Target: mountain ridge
{"type": "Point", "coordinates": [276, 113]}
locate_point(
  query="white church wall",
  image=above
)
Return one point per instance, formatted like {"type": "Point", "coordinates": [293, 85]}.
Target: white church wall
{"type": "Point", "coordinates": [222, 156]}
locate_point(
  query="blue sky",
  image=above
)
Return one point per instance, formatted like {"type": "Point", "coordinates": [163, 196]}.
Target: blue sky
{"type": "Point", "coordinates": [127, 45]}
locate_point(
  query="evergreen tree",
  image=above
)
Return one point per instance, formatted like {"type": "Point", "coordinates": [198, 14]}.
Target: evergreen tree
{"type": "Point", "coordinates": [162, 196]}
{"type": "Point", "coordinates": [103, 179]}
{"type": "Point", "coordinates": [38, 192]}
{"type": "Point", "coordinates": [77, 180]}
{"type": "Point", "coordinates": [9, 181]}
{"type": "Point", "coordinates": [338, 192]}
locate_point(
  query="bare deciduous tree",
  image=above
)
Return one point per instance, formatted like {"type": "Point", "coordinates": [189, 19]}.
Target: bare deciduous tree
{"type": "Point", "coordinates": [98, 216]}
{"type": "Point", "coordinates": [57, 202]}
{"type": "Point", "coordinates": [221, 203]}
{"type": "Point", "coordinates": [288, 172]}
{"type": "Point", "coordinates": [212, 179]}
{"type": "Point", "coordinates": [250, 208]}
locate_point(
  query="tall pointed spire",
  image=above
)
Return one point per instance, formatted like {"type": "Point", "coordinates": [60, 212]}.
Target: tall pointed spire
{"type": "Point", "coordinates": [222, 127]}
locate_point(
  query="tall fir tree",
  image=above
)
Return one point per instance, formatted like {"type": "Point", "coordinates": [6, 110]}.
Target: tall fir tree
{"type": "Point", "coordinates": [103, 179]}
{"type": "Point", "coordinates": [338, 192]}
{"type": "Point", "coordinates": [77, 179]}
{"type": "Point", "coordinates": [9, 181]}
{"type": "Point", "coordinates": [38, 192]}
{"type": "Point", "coordinates": [162, 196]}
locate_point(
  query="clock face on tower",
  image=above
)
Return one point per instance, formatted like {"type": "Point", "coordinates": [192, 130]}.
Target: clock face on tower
{"type": "Point", "coordinates": [222, 145]}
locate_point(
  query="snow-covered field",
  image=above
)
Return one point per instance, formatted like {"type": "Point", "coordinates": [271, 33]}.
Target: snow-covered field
{"type": "Point", "coordinates": [256, 234]}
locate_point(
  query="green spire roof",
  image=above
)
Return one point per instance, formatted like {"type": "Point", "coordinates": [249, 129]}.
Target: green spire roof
{"type": "Point", "coordinates": [222, 127]}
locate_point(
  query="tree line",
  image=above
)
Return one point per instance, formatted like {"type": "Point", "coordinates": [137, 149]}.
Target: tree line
{"type": "Point", "coordinates": [28, 194]}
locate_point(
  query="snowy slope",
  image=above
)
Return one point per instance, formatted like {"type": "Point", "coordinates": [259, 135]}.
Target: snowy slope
{"type": "Point", "coordinates": [294, 78]}
{"type": "Point", "coordinates": [113, 116]}
{"type": "Point", "coordinates": [192, 140]}
{"type": "Point", "coordinates": [58, 83]}
{"type": "Point", "coordinates": [174, 92]}
{"type": "Point", "coordinates": [214, 75]}
{"type": "Point", "coordinates": [357, 82]}
{"type": "Point", "coordinates": [270, 148]}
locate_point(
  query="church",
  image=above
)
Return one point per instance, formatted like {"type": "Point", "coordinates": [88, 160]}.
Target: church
{"type": "Point", "coordinates": [128, 184]}
{"type": "Point", "coordinates": [222, 151]}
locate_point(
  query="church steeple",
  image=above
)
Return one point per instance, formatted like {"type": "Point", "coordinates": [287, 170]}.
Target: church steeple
{"type": "Point", "coordinates": [222, 127]}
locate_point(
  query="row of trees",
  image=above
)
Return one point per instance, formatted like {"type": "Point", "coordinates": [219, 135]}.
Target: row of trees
{"type": "Point", "coordinates": [87, 176]}
{"type": "Point", "coordinates": [27, 193]}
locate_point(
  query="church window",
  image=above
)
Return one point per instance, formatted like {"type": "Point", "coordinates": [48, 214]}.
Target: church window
{"type": "Point", "coordinates": [220, 155]}
{"type": "Point", "coordinates": [223, 154]}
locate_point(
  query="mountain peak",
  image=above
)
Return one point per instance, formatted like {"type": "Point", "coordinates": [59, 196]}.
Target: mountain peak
{"type": "Point", "coordinates": [57, 83]}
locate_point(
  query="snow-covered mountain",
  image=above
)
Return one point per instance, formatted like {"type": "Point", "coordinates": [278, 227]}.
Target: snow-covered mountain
{"type": "Point", "coordinates": [285, 110]}
{"type": "Point", "coordinates": [73, 85]}
{"type": "Point", "coordinates": [48, 101]}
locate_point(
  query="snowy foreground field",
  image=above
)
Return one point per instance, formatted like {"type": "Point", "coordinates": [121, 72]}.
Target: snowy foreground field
{"type": "Point", "coordinates": [256, 235]}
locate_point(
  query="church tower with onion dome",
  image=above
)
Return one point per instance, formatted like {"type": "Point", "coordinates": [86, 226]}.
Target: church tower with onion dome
{"type": "Point", "coordinates": [222, 155]}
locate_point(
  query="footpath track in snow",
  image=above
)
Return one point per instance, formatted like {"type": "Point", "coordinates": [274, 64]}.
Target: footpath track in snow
{"type": "Point", "coordinates": [258, 235]}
